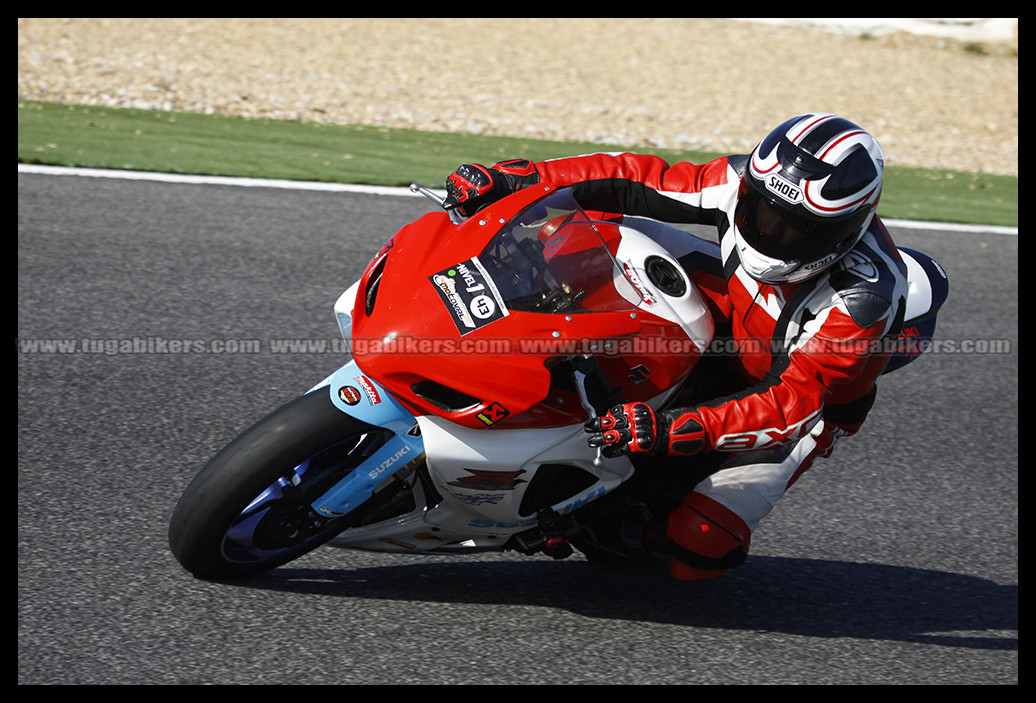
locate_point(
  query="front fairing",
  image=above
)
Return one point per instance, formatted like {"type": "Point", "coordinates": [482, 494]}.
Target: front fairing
{"type": "Point", "coordinates": [462, 321]}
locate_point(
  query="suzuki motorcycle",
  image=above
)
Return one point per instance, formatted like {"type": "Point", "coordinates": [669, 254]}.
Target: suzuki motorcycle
{"type": "Point", "coordinates": [480, 348]}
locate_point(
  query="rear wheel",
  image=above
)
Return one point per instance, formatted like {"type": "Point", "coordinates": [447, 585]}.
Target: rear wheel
{"type": "Point", "coordinates": [249, 509]}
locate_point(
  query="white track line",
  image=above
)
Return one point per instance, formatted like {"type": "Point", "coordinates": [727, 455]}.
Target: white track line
{"type": "Point", "coordinates": [384, 190]}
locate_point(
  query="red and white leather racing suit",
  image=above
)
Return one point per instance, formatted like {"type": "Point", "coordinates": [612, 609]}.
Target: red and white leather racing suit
{"type": "Point", "coordinates": [809, 353]}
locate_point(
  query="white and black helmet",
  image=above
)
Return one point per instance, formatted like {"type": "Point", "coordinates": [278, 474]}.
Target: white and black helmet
{"type": "Point", "coordinates": [808, 194]}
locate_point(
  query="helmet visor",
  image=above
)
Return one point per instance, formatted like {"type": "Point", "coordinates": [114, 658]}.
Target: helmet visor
{"type": "Point", "coordinates": [780, 233]}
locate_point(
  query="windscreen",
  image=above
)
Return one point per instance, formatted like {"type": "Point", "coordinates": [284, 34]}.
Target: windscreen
{"type": "Point", "coordinates": [551, 259]}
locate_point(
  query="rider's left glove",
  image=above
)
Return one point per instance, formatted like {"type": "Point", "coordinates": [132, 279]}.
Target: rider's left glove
{"type": "Point", "coordinates": [473, 186]}
{"type": "Point", "coordinates": [635, 428]}
{"type": "Point", "coordinates": [626, 428]}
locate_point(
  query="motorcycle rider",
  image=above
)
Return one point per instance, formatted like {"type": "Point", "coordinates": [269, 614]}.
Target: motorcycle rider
{"type": "Point", "coordinates": [806, 282]}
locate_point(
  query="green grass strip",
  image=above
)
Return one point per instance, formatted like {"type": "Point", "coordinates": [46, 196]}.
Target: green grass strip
{"type": "Point", "coordinates": [190, 143]}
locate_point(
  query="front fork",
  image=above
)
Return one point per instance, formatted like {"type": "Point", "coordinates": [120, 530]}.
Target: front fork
{"type": "Point", "coordinates": [357, 395]}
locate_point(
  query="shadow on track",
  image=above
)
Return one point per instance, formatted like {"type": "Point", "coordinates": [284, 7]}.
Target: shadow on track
{"type": "Point", "coordinates": [777, 594]}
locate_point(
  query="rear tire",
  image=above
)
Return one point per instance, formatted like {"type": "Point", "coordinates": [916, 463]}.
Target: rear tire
{"type": "Point", "coordinates": [249, 511]}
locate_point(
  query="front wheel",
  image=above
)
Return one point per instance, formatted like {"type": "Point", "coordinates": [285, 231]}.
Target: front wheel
{"type": "Point", "coordinates": [249, 509]}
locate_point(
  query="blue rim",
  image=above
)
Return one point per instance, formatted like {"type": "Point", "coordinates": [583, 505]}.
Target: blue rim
{"type": "Point", "coordinates": [280, 520]}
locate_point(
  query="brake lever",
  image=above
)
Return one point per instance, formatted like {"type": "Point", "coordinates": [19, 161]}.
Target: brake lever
{"type": "Point", "coordinates": [455, 217]}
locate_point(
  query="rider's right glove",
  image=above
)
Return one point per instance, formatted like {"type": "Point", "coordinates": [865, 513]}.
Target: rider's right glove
{"type": "Point", "coordinates": [473, 186]}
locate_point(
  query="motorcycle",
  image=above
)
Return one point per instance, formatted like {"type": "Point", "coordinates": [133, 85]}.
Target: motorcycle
{"type": "Point", "coordinates": [480, 348]}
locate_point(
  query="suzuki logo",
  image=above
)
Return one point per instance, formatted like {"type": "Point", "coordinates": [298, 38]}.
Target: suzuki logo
{"type": "Point", "coordinates": [638, 374]}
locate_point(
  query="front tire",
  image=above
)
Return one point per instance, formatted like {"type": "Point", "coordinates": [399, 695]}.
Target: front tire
{"type": "Point", "coordinates": [248, 511]}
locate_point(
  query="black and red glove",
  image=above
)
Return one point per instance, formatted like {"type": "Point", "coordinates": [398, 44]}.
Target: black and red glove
{"type": "Point", "coordinates": [685, 433]}
{"type": "Point", "coordinates": [634, 428]}
{"type": "Point", "coordinates": [626, 428]}
{"type": "Point", "coordinates": [473, 186]}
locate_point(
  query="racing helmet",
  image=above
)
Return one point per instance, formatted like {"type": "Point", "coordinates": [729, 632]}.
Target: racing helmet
{"type": "Point", "coordinates": [808, 194]}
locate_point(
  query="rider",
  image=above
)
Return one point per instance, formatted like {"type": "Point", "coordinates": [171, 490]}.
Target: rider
{"type": "Point", "coordinates": [805, 281]}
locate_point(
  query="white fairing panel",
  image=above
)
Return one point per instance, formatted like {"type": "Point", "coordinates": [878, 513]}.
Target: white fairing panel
{"type": "Point", "coordinates": [689, 311]}
{"type": "Point", "coordinates": [344, 310]}
{"type": "Point", "coordinates": [483, 474]}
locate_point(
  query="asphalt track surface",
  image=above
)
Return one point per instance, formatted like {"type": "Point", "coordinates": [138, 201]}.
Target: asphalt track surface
{"type": "Point", "coordinates": [894, 562]}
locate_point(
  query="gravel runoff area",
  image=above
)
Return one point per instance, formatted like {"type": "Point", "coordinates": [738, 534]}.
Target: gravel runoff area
{"type": "Point", "coordinates": [709, 84]}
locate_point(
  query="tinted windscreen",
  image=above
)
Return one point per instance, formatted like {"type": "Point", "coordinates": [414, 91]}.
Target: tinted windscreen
{"type": "Point", "coordinates": [551, 259]}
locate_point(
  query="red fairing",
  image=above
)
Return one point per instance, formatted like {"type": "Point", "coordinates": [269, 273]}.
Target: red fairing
{"type": "Point", "coordinates": [429, 323]}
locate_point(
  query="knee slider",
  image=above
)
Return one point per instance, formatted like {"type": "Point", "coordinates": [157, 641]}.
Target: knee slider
{"type": "Point", "coordinates": [705, 539]}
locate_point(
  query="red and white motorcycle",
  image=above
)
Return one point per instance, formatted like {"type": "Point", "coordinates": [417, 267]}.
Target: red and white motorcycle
{"type": "Point", "coordinates": [480, 349]}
